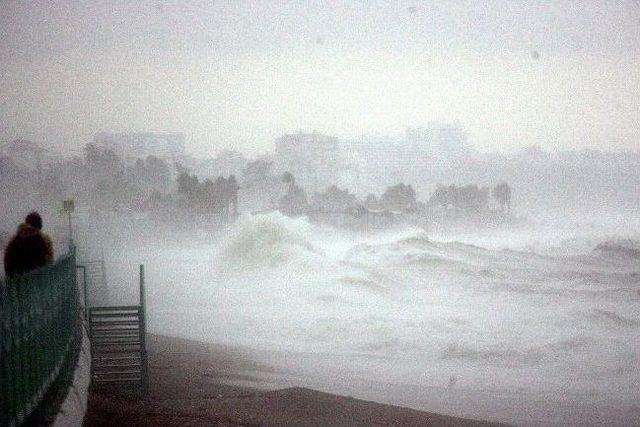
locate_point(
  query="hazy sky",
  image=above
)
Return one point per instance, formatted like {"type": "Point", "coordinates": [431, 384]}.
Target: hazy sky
{"type": "Point", "coordinates": [237, 74]}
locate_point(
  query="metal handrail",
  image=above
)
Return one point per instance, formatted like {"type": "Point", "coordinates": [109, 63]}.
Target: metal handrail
{"type": "Point", "coordinates": [39, 312]}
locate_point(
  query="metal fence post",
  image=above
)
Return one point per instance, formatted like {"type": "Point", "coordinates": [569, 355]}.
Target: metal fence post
{"type": "Point", "coordinates": [84, 289]}
{"type": "Point", "coordinates": [143, 333]}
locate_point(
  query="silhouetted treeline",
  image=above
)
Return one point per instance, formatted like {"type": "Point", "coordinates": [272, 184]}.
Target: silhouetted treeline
{"type": "Point", "coordinates": [101, 181]}
{"type": "Point", "coordinates": [399, 202]}
{"type": "Point", "coordinates": [218, 198]}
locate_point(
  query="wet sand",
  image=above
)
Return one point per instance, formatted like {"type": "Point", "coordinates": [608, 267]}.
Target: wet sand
{"type": "Point", "coordinates": [196, 384]}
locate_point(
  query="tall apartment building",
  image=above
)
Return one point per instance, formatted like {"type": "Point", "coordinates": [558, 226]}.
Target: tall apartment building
{"type": "Point", "coordinates": [226, 163]}
{"type": "Point", "coordinates": [369, 164]}
{"type": "Point", "coordinates": [312, 158]}
{"type": "Point", "coordinates": [139, 145]}
{"type": "Point", "coordinates": [25, 153]}
{"type": "Point", "coordinates": [439, 142]}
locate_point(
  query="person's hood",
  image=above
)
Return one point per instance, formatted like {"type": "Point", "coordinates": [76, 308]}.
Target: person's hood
{"type": "Point", "coordinates": [26, 230]}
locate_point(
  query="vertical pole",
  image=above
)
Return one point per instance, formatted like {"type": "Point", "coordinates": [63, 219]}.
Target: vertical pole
{"type": "Point", "coordinates": [84, 293]}
{"type": "Point", "coordinates": [143, 334]}
{"type": "Point", "coordinates": [106, 294]}
{"type": "Point", "coordinates": [142, 294]}
{"type": "Point", "coordinates": [38, 154]}
{"type": "Point", "coordinates": [86, 297]}
{"type": "Point", "coordinates": [70, 231]}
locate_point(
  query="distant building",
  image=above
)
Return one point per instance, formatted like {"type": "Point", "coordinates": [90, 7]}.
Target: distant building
{"type": "Point", "coordinates": [352, 166]}
{"type": "Point", "coordinates": [139, 145]}
{"type": "Point", "coordinates": [25, 153]}
{"type": "Point", "coordinates": [312, 158]}
{"type": "Point", "coordinates": [226, 163]}
{"type": "Point", "coordinates": [439, 142]}
{"type": "Point", "coordinates": [369, 164]}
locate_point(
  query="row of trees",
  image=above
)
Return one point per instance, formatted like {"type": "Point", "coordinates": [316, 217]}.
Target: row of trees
{"type": "Point", "coordinates": [99, 177]}
{"type": "Point", "coordinates": [108, 182]}
{"type": "Point", "coordinates": [103, 180]}
{"type": "Point", "coordinates": [263, 189]}
{"type": "Point", "coordinates": [469, 199]}
{"type": "Point", "coordinates": [218, 197]}
{"type": "Point", "coordinates": [399, 197]}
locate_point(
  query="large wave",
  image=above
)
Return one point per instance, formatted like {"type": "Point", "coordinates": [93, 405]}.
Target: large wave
{"type": "Point", "coordinates": [438, 309]}
{"type": "Point", "coordinates": [626, 248]}
{"type": "Point", "coordinates": [267, 240]}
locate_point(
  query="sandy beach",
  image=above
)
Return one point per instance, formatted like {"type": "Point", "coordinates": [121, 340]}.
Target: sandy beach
{"type": "Point", "coordinates": [195, 384]}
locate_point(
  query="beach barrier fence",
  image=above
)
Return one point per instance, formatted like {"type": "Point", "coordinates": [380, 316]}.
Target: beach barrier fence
{"type": "Point", "coordinates": [39, 318]}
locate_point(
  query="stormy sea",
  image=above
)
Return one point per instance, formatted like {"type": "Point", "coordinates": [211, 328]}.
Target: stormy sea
{"type": "Point", "coordinates": [512, 330]}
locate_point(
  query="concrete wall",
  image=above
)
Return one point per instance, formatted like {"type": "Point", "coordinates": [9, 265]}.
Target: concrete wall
{"type": "Point", "coordinates": [74, 407]}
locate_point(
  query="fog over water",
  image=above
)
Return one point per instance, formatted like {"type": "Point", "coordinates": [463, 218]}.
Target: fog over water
{"type": "Point", "coordinates": [515, 73]}
{"type": "Point", "coordinates": [495, 327]}
{"type": "Point", "coordinates": [243, 152]}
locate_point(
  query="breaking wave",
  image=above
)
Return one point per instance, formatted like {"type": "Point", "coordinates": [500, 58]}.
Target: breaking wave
{"type": "Point", "coordinates": [500, 357]}
{"type": "Point", "coordinates": [489, 317]}
{"type": "Point", "coordinates": [611, 318]}
{"type": "Point", "coordinates": [619, 248]}
{"type": "Point", "coordinates": [267, 240]}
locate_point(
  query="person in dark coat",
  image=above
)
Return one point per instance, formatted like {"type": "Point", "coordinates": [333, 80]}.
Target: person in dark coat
{"type": "Point", "coordinates": [29, 248]}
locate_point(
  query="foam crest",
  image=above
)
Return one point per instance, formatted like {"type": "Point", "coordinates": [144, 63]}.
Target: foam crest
{"type": "Point", "coordinates": [267, 240]}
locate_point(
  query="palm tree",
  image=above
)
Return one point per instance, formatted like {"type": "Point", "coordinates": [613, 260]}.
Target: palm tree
{"type": "Point", "coordinates": [502, 194]}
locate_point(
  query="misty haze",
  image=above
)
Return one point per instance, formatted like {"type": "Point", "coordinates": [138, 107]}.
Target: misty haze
{"type": "Point", "coordinates": [433, 206]}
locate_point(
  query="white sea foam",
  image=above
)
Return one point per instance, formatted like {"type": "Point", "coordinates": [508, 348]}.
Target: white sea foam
{"type": "Point", "coordinates": [432, 310]}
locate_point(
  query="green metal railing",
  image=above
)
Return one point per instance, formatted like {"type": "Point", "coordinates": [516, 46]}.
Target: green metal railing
{"type": "Point", "coordinates": [39, 313]}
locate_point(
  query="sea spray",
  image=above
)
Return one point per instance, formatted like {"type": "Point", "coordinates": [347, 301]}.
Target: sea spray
{"type": "Point", "coordinates": [408, 308]}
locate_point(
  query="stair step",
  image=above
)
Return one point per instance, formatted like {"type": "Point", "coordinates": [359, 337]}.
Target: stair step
{"type": "Point", "coordinates": [98, 357]}
{"type": "Point", "coordinates": [114, 307]}
{"type": "Point", "coordinates": [117, 380]}
{"type": "Point", "coordinates": [115, 351]}
{"type": "Point", "coordinates": [100, 316]}
{"type": "Point", "coordinates": [110, 344]}
{"type": "Point", "coordinates": [117, 340]}
{"type": "Point", "coordinates": [101, 366]}
{"type": "Point", "coordinates": [116, 332]}
{"type": "Point", "coordinates": [116, 372]}
{"type": "Point", "coordinates": [125, 362]}
{"type": "Point", "coordinates": [97, 323]}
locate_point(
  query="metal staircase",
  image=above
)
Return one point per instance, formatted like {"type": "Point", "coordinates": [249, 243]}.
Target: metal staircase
{"type": "Point", "coordinates": [118, 347]}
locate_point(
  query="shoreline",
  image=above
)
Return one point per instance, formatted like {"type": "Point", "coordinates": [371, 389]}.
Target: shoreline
{"type": "Point", "coordinates": [194, 383]}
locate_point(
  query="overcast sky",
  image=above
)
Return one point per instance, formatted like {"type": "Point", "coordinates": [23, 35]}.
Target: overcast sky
{"type": "Point", "coordinates": [237, 74]}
